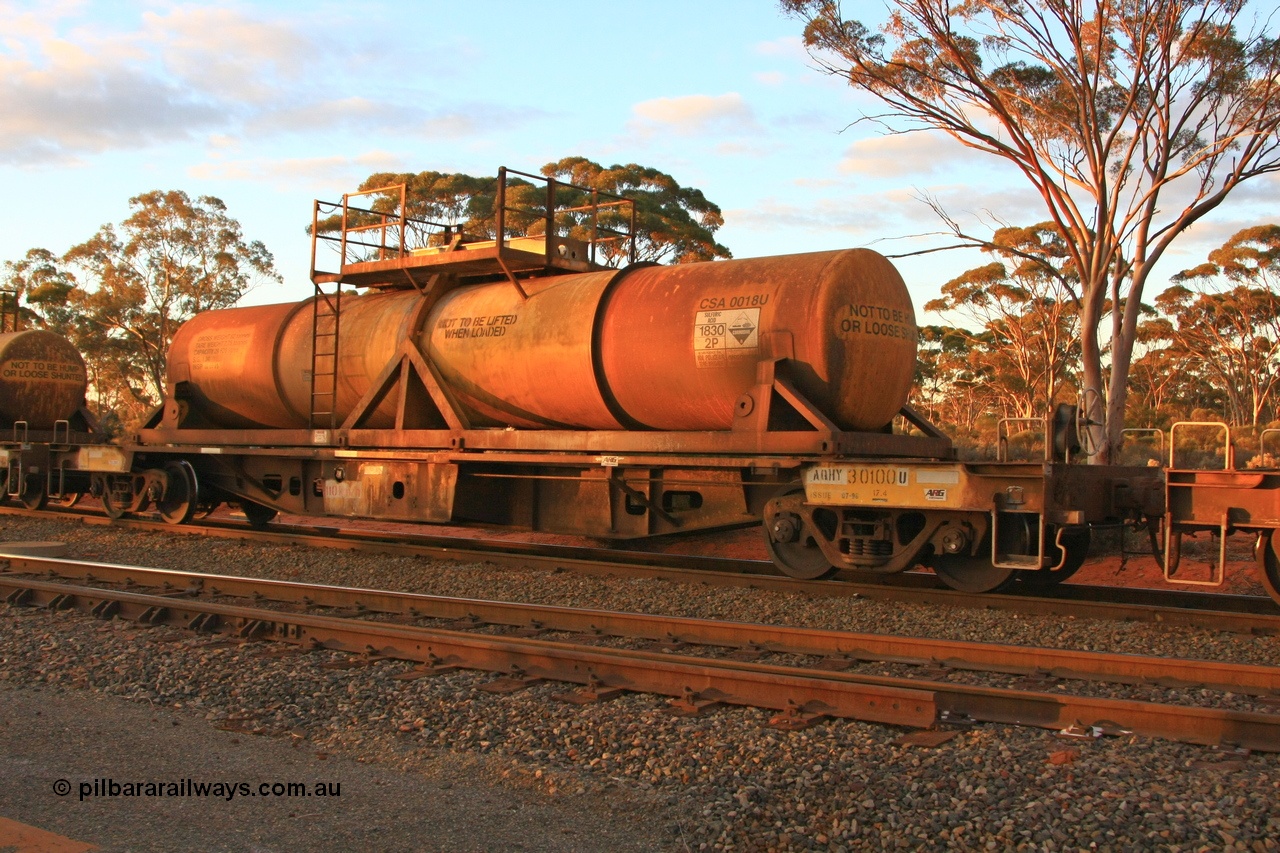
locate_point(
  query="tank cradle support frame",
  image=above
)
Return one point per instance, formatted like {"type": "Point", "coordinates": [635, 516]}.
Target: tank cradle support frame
{"type": "Point", "coordinates": [409, 374]}
{"type": "Point", "coordinates": [614, 484]}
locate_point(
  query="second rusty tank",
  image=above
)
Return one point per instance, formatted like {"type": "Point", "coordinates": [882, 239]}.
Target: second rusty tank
{"type": "Point", "coordinates": [646, 347]}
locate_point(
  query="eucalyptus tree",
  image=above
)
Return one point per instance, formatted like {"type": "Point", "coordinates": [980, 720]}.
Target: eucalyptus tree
{"type": "Point", "coordinates": [672, 223]}
{"type": "Point", "coordinates": [170, 259]}
{"type": "Point", "coordinates": [41, 281]}
{"type": "Point", "coordinates": [1026, 311]}
{"type": "Point", "coordinates": [1131, 120]}
{"type": "Point", "coordinates": [1223, 316]}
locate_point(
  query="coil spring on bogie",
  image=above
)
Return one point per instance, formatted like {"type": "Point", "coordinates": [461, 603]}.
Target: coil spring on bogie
{"type": "Point", "coordinates": [864, 547]}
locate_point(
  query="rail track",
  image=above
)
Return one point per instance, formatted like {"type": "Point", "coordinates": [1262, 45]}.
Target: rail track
{"type": "Point", "coordinates": [1217, 611]}
{"type": "Point", "coordinates": [804, 675]}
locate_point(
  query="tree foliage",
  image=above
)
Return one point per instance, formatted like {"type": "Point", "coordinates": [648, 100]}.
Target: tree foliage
{"type": "Point", "coordinates": [1209, 346]}
{"type": "Point", "coordinates": [1131, 120]}
{"type": "Point", "coordinates": [673, 223]}
{"type": "Point", "coordinates": [950, 383]}
{"type": "Point", "coordinates": [46, 286]}
{"type": "Point", "coordinates": [120, 295]}
{"type": "Point", "coordinates": [1221, 323]}
{"type": "Point", "coordinates": [1025, 308]}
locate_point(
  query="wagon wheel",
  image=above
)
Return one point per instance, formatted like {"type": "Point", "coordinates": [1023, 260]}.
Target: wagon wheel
{"type": "Point", "coordinates": [112, 504]}
{"type": "Point", "coordinates": [257, 515]}
{"type": "Point", "coordinates": [969, 574]}
{"type": "Point", "coordinates": [205, 510]}
{"type": "Point", "coordinates": [33, 495]}
{"type": "Point", "coordinates": [1075, 542]}
{"type": "Point", "coordinates": [1268, 563]}
{"type": "Point", "coordinates": [791, 541]}
{"type": "Point", "coordinates": [972, 573]}
{"type": "Point", "coordinates": [70, 499]}
{"type": "Point", "coordinates": [180, 498]}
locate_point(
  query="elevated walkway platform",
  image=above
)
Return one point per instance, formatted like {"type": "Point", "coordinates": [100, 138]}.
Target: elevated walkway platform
{"type": "Point", "coordinates": [570, 229]}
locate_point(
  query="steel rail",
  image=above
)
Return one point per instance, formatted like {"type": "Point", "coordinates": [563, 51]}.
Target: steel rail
{"type": "Point", "coordinates": [842, 647]}
{"type": "Point", "coordinates": [1212, 610]}
{"type": "Point", "coordinates": [699, 680]}
{"type": "Point", "coordinates": [804, 694]}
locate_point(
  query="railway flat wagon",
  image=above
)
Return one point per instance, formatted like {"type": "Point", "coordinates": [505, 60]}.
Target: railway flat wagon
{"type": "Point", "coordinates": [514, 381]}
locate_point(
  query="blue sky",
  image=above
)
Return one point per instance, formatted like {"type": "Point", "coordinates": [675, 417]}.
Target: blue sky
{"type": "Point", "coordinates": [270, 105]}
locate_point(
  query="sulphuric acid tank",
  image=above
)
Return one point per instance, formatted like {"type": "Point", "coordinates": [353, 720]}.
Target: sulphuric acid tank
{"type": "Point", "coordinates": [42, 378]}
{"type": "Point", "coordinates": [647, 347]}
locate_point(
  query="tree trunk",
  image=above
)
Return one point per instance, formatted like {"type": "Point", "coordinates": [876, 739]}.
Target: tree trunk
{"type": "Point", "coordinates": [1091, 393]}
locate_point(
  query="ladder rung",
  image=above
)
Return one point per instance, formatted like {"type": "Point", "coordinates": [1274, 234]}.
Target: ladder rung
{"type": "Point", "coordinates": [324, 308]}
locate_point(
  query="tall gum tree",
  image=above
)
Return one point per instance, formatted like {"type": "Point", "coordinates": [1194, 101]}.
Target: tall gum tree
{"type": "Point", "coordinates": [1232, 332]}
{"type": "Point", "coordinates": [172, 258]}
{"type": "Point", "coordinates": [40, 279]}
{"type": "Point", "coordinates": [1026, 307]}
{"type": "Point", "coordinates": [1132, 120]}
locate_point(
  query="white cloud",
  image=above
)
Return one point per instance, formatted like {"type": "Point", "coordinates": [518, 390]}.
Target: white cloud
{"type": "Point", "coordinates": [68, 88]}
{"type": "Point", "coordinates": [863, 217]}
{"type": "Point", "coordinates": [982, 207]}
{"type": "Point", "coordinates": [71, 87]}
{"type": "Point", "coordinates": [326, 173]}
{"type": "Point", "coordinates": [788, 47]}
{"type": "Point", "coordinates": [475, 119]}
{"type": "Point", "coordinates": [220, 141]}
{"type": "Point", "coordinates": [367, 116]}
{"type": "Point", "coordinates": [224, 51]}
{"type": "Point", "coordinates": [691, 115]}
{"type": "Point", "coordinates": [747, 148]}
{"type": "Point", "coordinates": [74, 105]}
{"type": "Point", "coordinates": [904, 154]}
{"type": "Point", "coordinates": [35, 22]}
{"type": "Point", "coordinates": [310, 116]}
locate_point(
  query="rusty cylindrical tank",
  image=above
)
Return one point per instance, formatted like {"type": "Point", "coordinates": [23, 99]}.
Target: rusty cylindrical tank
{"type": "Point", "coordinates": [42, 378]}
{"type": "Point", "coordinates": [680, 344]}
{"type": "Point", "coordinates": [675, 347]}
{"type": "Point", "coordinates": [248, 367]}
{"type": "Point", "coordinates": [667, 348]}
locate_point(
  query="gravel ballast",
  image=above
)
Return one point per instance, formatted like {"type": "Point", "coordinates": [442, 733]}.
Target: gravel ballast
{"type": "Point", "coordinates": [719, 781]}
